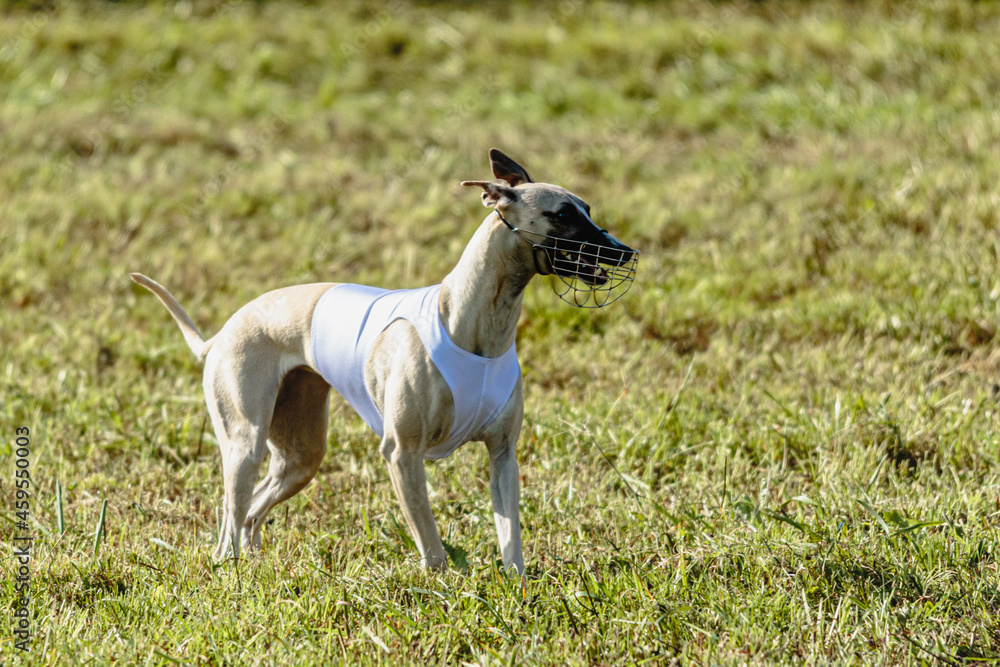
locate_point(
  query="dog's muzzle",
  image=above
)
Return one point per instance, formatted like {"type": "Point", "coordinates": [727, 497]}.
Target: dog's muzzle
{"type": "Point", "coordinates": [585, 274]}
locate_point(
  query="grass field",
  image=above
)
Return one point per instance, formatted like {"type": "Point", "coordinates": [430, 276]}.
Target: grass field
{"type": "Point", "coordinates": [780, 447]}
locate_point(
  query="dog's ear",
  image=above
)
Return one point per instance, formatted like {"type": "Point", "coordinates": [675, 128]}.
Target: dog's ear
{"type": "Point", "coordinates": [495, 193]}
{"type": "Point", "coordinates": [507, 170]}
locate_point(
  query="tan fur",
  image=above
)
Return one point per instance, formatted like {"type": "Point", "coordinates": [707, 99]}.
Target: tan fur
{"type": "Point", "coordinates": [263, 391]}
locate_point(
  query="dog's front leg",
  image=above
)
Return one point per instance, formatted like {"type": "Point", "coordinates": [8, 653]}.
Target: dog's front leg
{"type": "Point", "coordinates": [406, 469]}
{"type": "Point", "coordinates": [505, 483]}
{"type": "Point", "coordinates": [505, 492]}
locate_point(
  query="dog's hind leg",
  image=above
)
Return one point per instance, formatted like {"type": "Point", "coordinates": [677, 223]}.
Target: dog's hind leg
{"type": "Point", "coordinates": [239, 470]}
{"type": "Point", "coordinates": [240, 397]}
{"type": "Point", "coordinates": [297, 444]}
{"type": "Point", "coordinates": [241, 457]}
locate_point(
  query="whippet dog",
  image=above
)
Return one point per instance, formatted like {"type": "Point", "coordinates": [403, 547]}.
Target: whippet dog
{"type": "Point", "coordinates": [434, 369]}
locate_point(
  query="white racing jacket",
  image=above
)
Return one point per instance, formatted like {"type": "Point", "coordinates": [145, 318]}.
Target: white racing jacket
{"type": "Point", "coordinates": [347, 320]}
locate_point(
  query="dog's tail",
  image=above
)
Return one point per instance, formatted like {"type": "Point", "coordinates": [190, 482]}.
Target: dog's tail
{"type": "Point", "coordinates": [198, 345]}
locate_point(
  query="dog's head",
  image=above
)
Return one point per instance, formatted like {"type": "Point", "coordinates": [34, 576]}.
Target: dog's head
{"type": "Point", "coordinates": [557, 223]}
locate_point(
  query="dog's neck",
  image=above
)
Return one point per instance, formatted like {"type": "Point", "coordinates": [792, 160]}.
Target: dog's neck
{"type": "Point", "coordinates": [481, 297]}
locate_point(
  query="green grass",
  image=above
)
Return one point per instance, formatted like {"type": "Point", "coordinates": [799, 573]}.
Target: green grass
{"type": "Point", "coordinates": [780, 447]}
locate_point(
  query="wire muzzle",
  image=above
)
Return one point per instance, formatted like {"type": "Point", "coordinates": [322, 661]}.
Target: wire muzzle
{"type": "Point", "coordinates": [583, 274]}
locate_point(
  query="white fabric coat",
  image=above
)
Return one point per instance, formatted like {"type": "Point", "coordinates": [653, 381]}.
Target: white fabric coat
{"type": "Point", "coordinates": [347, 320]}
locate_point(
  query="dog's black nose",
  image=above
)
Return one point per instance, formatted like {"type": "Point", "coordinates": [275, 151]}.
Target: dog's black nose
{"type": "Point", "coordinates": [613, 251]}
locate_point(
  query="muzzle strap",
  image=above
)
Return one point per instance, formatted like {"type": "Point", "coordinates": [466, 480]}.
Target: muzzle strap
{"type": "Point", "coordinates": [536, 250]}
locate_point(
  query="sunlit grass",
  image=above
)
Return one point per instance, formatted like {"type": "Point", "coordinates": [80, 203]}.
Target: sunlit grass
{"type": "Point", "coordinates": [780, 447]}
